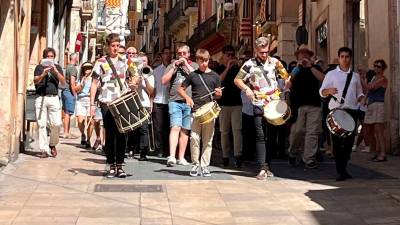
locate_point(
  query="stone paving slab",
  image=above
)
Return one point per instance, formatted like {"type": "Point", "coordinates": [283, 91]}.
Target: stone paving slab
{"type": "Point", "coordinates": [62, 191]}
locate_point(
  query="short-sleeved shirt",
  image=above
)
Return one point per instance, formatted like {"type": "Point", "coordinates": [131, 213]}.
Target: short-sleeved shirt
{"type": "Point", "coordinates": [262, 77]}
{"type": "Point", "coordinates": [212, 81]}
{"type": "Point", "coordinates": [231, 96]}
{"type": "Point", "coordinates": [177, 80]}
{"type": "Point", "coordinates": [305, 88]}
{"type": "Point", "coordinates": [49, 84]}
{"type": "Point", "coordinates": [70, 71]}
{"type": "Point", "coordinates": [110, 89]}
{"type": "Point", "coordinates": [161, 95]}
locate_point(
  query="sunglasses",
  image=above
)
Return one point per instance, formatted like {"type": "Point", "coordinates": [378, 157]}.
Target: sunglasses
{"type": "Point", "coordinates": [131, 53]}
{"type": "Point", "coordinates": [378, 66]}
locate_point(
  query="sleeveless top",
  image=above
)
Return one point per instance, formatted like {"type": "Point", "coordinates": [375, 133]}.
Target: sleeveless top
{"type": "Point", "coordinates": [86, 89]}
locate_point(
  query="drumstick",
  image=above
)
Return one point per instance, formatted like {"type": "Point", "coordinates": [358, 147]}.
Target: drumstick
{"type": "Point", "coordinates": [211, 93]}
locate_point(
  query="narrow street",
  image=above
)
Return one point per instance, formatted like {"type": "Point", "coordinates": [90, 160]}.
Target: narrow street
{"type": "Point", "coordinates": [71, 189]}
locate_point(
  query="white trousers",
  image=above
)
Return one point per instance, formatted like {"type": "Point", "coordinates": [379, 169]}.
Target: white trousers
{"type": "Point", "coordinates": [48, 114]}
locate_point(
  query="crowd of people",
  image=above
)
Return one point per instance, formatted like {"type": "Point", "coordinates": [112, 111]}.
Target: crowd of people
{"type": "Point", "coordinates": [174, 92]}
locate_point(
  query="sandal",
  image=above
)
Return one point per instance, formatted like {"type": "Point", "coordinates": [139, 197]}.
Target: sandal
{"type": "Point", "coordinates": [262, 175]}
{"type": "Point", "coordinates": [53, 151]}
{"type": "Point", "coordinates": [120, 172]}
{"type": "Point", "coordinates": [112, 172]}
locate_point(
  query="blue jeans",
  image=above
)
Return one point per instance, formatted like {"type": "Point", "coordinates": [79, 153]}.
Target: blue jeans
{"type": "Point", "coordinates": [68, 101]}
{"type": "Point", "coordinates": [180, 115]}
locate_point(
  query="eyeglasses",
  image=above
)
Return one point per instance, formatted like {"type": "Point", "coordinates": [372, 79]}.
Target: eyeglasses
{"type": "Point", "coordinates": [229, 54]}
{"type": "Point", "coordinates": [377, 66]}
{"type": "Point", "coordinates": [181, 53]}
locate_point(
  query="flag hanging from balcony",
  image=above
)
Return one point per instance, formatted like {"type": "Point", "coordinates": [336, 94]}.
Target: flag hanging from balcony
{"type": "Point", "coordinates": [245, 27]}
{"type": "Point", "coordinates": [113, 3]}
{"type": "Point", "coordinates": [261, 15]}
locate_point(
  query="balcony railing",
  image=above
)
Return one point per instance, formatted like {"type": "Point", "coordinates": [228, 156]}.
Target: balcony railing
{"type": "Point", "coordinates": [203, 31]}
{"type": "Point", "coordinates": [86, 10]}
{"type": "Point", "coordinates": [175, 13]}
{"type": "Point", "coordinates": [140, 28]}
{"type": "Point", "coordinates": [190, 4]}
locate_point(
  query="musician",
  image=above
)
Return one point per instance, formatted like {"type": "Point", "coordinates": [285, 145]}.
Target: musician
{"type": "Point", "coordinates": [231, 107]}
{"type": "Point", "coordinates": [333, 85]}
{"type": "Point", "coordinates": [306, 108]}
{"type": "Point", "coordinates": [257, 78]}
{"type": "Point", "coordinates": [144, 86]}
{"type": "Point", "coordinates": [110, 90]}
{"type": "Point", "coordinates": [160, 106]}
{"type": "Point", "coordinates": [202, 81]}
{"type": "Point", "coordinates": [179, 111]}
{"type": "Point", "coordinates": [48, 108]}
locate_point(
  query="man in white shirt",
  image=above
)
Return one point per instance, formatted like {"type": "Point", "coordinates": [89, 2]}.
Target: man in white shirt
{"type": "Point", "coordinates": [333, 85]}
{"type": "Point", "coordinates": [160, 112]}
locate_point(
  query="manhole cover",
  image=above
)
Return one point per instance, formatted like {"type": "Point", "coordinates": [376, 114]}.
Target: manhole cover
{"type": "Point", "coordinates": [127, 188]}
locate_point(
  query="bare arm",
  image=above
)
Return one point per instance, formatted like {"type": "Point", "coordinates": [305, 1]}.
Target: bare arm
{"type": "Point", "coordinates": [242, 86]}
{"type": "Point", "coordinates": [182, 92]}
{"type": "Point", "coordinates": [317, 74]}
{"type": "Point", "coordinates": [75, 88]}
{"type": "Point", "coordinates": [38, 79]}
{"type": "Point", "coordinates": [166, 78]}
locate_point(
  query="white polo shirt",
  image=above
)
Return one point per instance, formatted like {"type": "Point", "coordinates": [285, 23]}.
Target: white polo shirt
{"type": "Point", "coordinates": [337, 79]}
{"type": "Point", "coordinates": [161, 96]}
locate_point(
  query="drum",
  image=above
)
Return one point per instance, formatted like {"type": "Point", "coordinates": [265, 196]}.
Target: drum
{"type": "Point", "coordinates": [277, 112]}
{"type": "Point", "coordinates": [128, 112]}
{"type": "Point", "coordinates": [207, 112]}
{"type": "Point", "coordinates": [340, 123]}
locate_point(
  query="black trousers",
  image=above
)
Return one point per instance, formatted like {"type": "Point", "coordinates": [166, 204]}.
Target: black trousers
{"type": "Point", "coordinates": [248, 137]}
{"type": "Point", "coordinates": [342, 147]}
{"type": "Point", "coordinates": [139, 138]}
{"type": "Point", "coordinates": [161, 128]}
{"type": "Point", "coordinates": [263, 154]}
{"type": "Point", "coordinates": [276, 139]}
{"type": "Point", "coordinates": [115, 141]}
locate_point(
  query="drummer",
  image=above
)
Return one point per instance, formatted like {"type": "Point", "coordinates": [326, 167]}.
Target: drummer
{"type": "Point", "coordinates": [257, 78]}
{"type": "Point", "coordinates": [110, 90]}
{"type": "Point", "coordinates": [333, 85]}
{"type": "Point", "coordinates": [203, 82]}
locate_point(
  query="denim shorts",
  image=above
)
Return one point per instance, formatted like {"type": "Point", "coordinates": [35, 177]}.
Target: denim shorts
{"type": "Point", "coordinates": [68, 101]}
{"type": "Point", "coordinates": [180, 115]}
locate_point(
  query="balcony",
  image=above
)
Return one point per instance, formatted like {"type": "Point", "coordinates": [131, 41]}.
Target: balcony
{"type": "Point", "coordinates": [203, 31]}
{"type": "Point", "coordinates": [226, 27]}
{"type": "Point", "coordinates": [190, 7]}
{"type": "Point", "coordinates": [131, 37]}
{"type": "Point", "coordinates": [176, 19]}
{"type": "Point", "coordinates": [162, 3]}
{"type": "Point", "coordinates": [149, 9]}
{"type": "Point", "coordinates": [86, 12]}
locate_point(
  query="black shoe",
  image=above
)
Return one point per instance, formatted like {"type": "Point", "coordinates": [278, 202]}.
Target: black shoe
{"type": "Point", "coordinates": [347, 176]}
{"type": "Point", "coordinates": [341, 178]}
{"type": "Point", "coordinates": [143, 158]}
{"type": "Point", "coordinates": [225, 162]}
{"type": "Point", "coordinates": [88, 145]}
{"type": "Point", "coordinates": [238, 162]}
{"type": "Point", "coordinates": [311, 165]}
{"type": "Point", "coordinates": [292, 161]}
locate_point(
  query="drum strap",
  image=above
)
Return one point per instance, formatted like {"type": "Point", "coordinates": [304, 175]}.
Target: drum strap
{"type": "Point", "coordinates": [114, 72]}
{"type": "Point", "coordinates": [205, 85]}
{"type": "Point", "coordinates": [346, 86]}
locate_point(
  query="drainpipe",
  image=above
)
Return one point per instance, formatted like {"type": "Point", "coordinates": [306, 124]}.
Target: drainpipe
{"type": "Point", "coordinates": [50, 22]}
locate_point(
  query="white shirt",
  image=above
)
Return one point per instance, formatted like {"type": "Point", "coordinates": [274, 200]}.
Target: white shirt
{"type": "Point", "coordinates": [161, 96]}
{"type": "Point", "coordinates": [144, 98]}
{"type": "Point", "coordinates": [337, 79]}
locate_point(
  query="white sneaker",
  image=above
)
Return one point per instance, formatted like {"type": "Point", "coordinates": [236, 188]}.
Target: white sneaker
{"type": "Point", "coordinates": [194, 172]}
{"type": "Point", "coordinates": [171, 161]}
{"type": "Point", "coordinates": [354, 148]}
{"type": "Point", "coordinates": [366, 149]}
{"type": "Point", "coordinates": [205, 171]}
{"type": "Point", "coordinates": [182, 162]}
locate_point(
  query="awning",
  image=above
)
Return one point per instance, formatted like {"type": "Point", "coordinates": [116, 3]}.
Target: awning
{"type": "Point", "coordinates": [214, 43]}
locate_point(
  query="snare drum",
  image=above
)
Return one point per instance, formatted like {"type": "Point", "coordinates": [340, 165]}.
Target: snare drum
{"type": "Point", "coordinates": [277, 112]}
{"type": "Point", "coordinates": [128, 112]}
{"type": "Point", "coordinates": [340, 123]}
{"type": "Point", "coordinates": [207, 113]}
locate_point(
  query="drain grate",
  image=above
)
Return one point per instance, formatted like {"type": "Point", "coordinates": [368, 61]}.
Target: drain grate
{"type": "Point", "coordinates": [127, 188]}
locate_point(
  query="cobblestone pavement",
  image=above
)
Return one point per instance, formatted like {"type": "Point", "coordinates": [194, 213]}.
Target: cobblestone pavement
{"type": "Point", "coordinates": [70, 189]}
